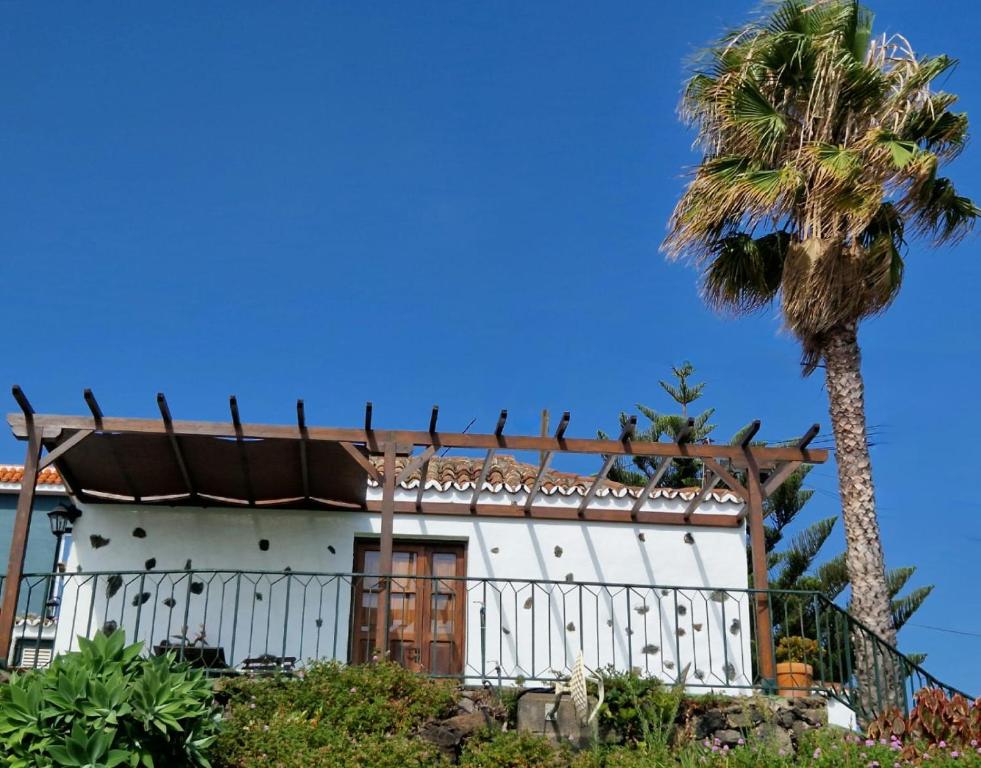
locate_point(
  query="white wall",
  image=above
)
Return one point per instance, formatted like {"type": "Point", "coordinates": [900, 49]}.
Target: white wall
{"type": "Point", "coordinates": [497, 549]}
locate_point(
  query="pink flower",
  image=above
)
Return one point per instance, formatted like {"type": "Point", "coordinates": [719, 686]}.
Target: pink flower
{"type": "Point", "coordinates": [817, 753]}
{"type": "Point", "coordinates": [741, 741]}
{"type": "Point", "coordinates": [942, 744]}
{"type": "Point", "coordinates": [354, 690]}
{"type": "Point", "coordinates": [870, 742]}
{"type": "Point", "coordinates": [955, 754]}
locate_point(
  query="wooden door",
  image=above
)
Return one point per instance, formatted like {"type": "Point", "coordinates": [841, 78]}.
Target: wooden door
{"type": "Point", "coordinates": [428, 609]}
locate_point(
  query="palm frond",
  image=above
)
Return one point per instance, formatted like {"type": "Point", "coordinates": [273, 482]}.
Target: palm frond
{"type": "Point", "coordinates": [745, 272]}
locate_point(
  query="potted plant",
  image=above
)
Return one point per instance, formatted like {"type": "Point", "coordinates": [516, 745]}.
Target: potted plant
{"type": "Point", "coordinates": [795, 671]}
{"type": "Point", "coordinates": [195, 652]}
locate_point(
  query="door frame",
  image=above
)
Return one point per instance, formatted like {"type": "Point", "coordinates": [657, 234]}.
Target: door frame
{"type": "Point", "coordinates": [424, 548]}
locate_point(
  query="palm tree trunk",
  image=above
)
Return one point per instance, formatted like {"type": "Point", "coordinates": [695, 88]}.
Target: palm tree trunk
{"type": "Point", "coordinates": [870, 602]}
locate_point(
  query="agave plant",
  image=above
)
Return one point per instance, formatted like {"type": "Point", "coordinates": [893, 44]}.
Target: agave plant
{"type": "Point", "coordinates": [822, 150]}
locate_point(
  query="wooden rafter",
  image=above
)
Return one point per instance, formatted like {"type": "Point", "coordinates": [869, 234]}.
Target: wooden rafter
{"type": "Point", "coordinates": [725, 476]}
{"type": "Point", "coordinates": [416, 462]}
{"type": "Point", "coordinates": [545, 461]}
{"type": "Point", "coordinates": [175, 444]}
{"type": "Point", "coordinates": [301, 425]}
{"type": "Point", "coordinates": [488, 460]}
{"type": "Point", "coordinates": [64, 448]}
{"type": "Point", "coordinates": [240, 440]}
{"type": "Point", "coordinates": [785, 470]}
{"type": "Point", "coordinates": [651, 484]}
{"type": "Point", "coordinates": [363, 461]}
{"type": "Point", "coordinates": [711, 481]}
{"type": "Point", "coordinates": [424, 469]}
{"type": "Point", "coordinates": [97, 417]}
{"type": "Point", "coordinates": [625, 434]}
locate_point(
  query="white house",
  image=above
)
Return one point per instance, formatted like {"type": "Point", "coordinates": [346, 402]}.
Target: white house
{"type": "Point", "coordinates": [249, 545]}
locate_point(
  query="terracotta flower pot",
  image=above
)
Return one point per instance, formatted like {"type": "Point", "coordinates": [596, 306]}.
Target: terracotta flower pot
{"type": "Point", "coordinates": [794, 679]}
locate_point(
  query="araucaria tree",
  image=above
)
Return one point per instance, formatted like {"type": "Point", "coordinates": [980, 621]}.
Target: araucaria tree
{"type": "Point", "coordinates": [822, 149]}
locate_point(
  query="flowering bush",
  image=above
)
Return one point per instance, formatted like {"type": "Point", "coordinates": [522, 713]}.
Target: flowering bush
{"type": "Point", "coordinates": [934, 720]}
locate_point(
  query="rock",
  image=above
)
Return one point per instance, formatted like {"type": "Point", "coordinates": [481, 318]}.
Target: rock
{"type": "Point", "coordinates": [465, 705]}
{"type": "Point", "coordinates": [709, 723]}
{"type": "Point", "coordinates": [727, 737]}
{"type": "Point", "coordinates": [534, 709]}
{"type": "Point", "coordinates": [798, 729]}
{"type": "Point", "coordinates": [775, 737]}
{"type": "Point", "coordinates": [744, 718]}
{"type": "Point", "coordinates": [785, 718]}
{"type": "Point", "coordinates": [450, 734]}
{"type": "Point", "coordinates": [816, 717]}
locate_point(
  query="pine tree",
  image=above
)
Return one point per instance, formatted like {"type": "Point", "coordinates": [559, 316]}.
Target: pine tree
{"type": "Point", "coordinates": [792, 563]}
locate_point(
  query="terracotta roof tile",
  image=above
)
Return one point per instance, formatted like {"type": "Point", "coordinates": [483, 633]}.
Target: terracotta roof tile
{"type": "Point", "coordinates": [462, 473]}
{"type": "Point", "coordinates": [12, 473]}
{"type": "Point", "coordinates": [506, 473]}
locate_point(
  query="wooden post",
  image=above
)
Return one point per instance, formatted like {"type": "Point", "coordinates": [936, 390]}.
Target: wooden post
{"type": "Point", "coordinates": [761, 580]}
{"type": "Point", "coordinates": [385, 554]}
{"type": "Point", "coordinates": [18, 541]}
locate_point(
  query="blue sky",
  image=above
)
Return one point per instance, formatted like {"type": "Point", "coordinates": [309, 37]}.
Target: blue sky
{"type": "Point", "coordinates": [420, 203]}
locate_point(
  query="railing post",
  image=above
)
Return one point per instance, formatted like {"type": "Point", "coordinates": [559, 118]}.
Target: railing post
{"type": "Point", "coordinates": [18, 539]}
{"type": "Point", "coordinates": [761, 580]}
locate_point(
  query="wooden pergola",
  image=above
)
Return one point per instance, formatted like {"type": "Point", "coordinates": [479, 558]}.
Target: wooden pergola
{"type": "Point", "coordinates": [169, 462]}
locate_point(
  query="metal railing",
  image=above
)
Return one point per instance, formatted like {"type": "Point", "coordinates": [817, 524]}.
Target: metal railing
{"type": "Point", "coordinates": [475, 629]}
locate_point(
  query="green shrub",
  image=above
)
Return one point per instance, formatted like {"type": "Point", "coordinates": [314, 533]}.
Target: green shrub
{"type": "Point", "coordinates": [638, 710]}
{"type": "Point", "coordinates": [292, 740]}
{"type": "Point", "coordinates": [315, 717]}
{"type": "Point", "coordinates": [106, 706]}
{"type": "Point", "coordinates": [371, 698]}
{"type": "Point", "coordinates": [513, 749]}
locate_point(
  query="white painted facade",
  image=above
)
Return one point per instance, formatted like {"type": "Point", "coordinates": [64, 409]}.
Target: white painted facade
{"type": "Point", "coordinates": [528, 630]}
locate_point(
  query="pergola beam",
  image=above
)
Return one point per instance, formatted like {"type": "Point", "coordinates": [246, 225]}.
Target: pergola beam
{"type": "Point", "coordinates": [97, 417]}
{"type": "Point", "coordinates": [651, 484]}
{"type": "Point", "coordinates": [240, 440]}
{"type": "Point", "coordinates": [783, 471]}
{"type": "Point", "coordinates": [424, 469]}
{"type": "Point", "coordinates": [710, 483]}
{"type": "Point", "coordinates": [626, 432]}
{"type": "Point", "coordinates": [64, 448]}
{"type": "Point", "coordinates": [175, 444]}
{"type": "Point", "coordinates": [726, 477]}
{"type": "Point", "coordinates": [363, 461]}
{"type": "Point", "coordinates": [453, 440]}
{"type": "Point", "coordinates": [488, 460]}
{"type": "Point", "coordinates": [543, 467]}
{"type": "Point", "coordinates": [416, 462]}
{"type": "Point", "coordinates": [301, 424]}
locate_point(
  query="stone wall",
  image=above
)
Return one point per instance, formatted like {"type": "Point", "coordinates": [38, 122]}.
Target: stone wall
{"type": "Point", "coordinates": [771, 719]}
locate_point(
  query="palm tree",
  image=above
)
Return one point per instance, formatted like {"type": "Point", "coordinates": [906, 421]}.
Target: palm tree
{"type": "Point", "coordinates": [822, 147]}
